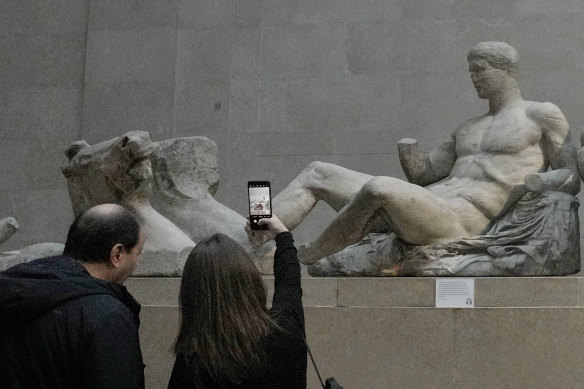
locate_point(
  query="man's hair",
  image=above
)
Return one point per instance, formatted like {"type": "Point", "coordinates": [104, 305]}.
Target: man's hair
{"type": "Point", "coordinates": [95, 232]}
{"type": "Point", "coordinates": [499, 55]}
{"type": "Point", "coordinates": [223, 313]}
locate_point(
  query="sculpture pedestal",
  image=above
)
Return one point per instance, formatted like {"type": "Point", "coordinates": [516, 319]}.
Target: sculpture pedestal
{"type": "Point", "coordinates": [386, 332]}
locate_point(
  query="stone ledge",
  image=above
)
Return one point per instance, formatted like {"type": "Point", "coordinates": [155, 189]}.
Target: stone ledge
{"type": "Point", "coordinates": [399, 292]}
{"type": "Point", "coordinates": [395, 347]}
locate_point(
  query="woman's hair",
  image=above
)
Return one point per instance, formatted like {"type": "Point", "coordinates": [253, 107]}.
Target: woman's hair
{"type": "Point", "coordinates": [223, 312]}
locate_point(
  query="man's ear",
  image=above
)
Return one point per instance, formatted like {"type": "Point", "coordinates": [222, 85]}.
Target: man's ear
{"type": "Point", "coordinates": [116, 255]}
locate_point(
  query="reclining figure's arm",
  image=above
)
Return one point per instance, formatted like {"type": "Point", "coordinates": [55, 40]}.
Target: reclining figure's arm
{"type": "Point", "coordinates": [426, 168]}
{"type": "Point", "coordinates": [562, 180]}
{"type": "Point", "coordinates": [560, 151]}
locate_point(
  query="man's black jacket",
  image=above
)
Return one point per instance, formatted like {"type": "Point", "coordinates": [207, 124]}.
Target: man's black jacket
{"type": "Point", "coordinates": [62, 328]}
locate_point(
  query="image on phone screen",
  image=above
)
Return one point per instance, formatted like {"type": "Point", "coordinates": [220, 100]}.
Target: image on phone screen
{"type": "Point", "coordinates": [259, 201]}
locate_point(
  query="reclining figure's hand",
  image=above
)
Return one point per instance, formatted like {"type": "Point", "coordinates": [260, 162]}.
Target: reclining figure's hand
{"type": "Point", "coordinates": [562, 180]}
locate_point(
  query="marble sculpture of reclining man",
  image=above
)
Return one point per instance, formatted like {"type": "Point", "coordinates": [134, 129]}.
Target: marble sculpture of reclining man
{"type": "Point", "coordinates": [460, 188]}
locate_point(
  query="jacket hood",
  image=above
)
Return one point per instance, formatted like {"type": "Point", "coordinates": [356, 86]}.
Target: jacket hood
{"type": "Point", "coordinates": [31, 289]}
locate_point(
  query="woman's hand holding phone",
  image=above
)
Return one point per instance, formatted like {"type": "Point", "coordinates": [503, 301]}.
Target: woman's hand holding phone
{"type": "Point", "coordinates": [274, 224]}
{"type": "Point", "coordinates": [259, 237]}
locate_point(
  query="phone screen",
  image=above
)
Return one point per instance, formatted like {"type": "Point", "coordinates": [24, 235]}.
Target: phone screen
{"type": "Point", "coordinates": [260, 203]}
{"type": "Point", "coordinates": [259, 198]}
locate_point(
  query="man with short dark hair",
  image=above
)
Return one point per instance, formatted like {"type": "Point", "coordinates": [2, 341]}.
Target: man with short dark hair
{"type": "Point", "coordinates": [67, 321]}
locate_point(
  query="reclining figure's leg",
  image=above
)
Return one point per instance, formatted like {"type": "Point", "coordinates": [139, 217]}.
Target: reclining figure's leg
{"type": "Point", "coordinates": [331, 183]}
{"type": "Point", "coordinates": [414, 213]}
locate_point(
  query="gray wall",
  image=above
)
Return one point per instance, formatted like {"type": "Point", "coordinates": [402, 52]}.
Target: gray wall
{"type": "Point", "coordinates": [275, 83]}
{"type": "Point", "coordinates": [42, 68]}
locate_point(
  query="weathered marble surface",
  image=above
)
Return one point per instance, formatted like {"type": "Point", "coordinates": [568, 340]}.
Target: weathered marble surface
{"type": "Point", "coordinates": [538, 238]}
{"type": "Point", "coordinates": [170, 186]}
{"type": "Point", "coordinates": [185, 179]}
{"type": "Point", "coordinates": [8, 227]}
{"type": "Point", "coordinates": [29, 253]}
{"type": "Point", "coordinates": [118, 171]}
{"type": "Point", "coordinates": [464, 190]}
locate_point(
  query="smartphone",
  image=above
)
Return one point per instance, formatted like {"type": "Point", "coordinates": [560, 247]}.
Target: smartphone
{"type": "Point", "coordinates": [260, 203]}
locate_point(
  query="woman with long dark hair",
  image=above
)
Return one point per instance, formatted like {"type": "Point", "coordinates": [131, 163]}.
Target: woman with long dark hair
{"type": "Point", "coordinates": [227, 337]}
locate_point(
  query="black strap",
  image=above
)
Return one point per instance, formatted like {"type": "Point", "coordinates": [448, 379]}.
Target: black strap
{"type": "Point", "coordinates": [313, 361]}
